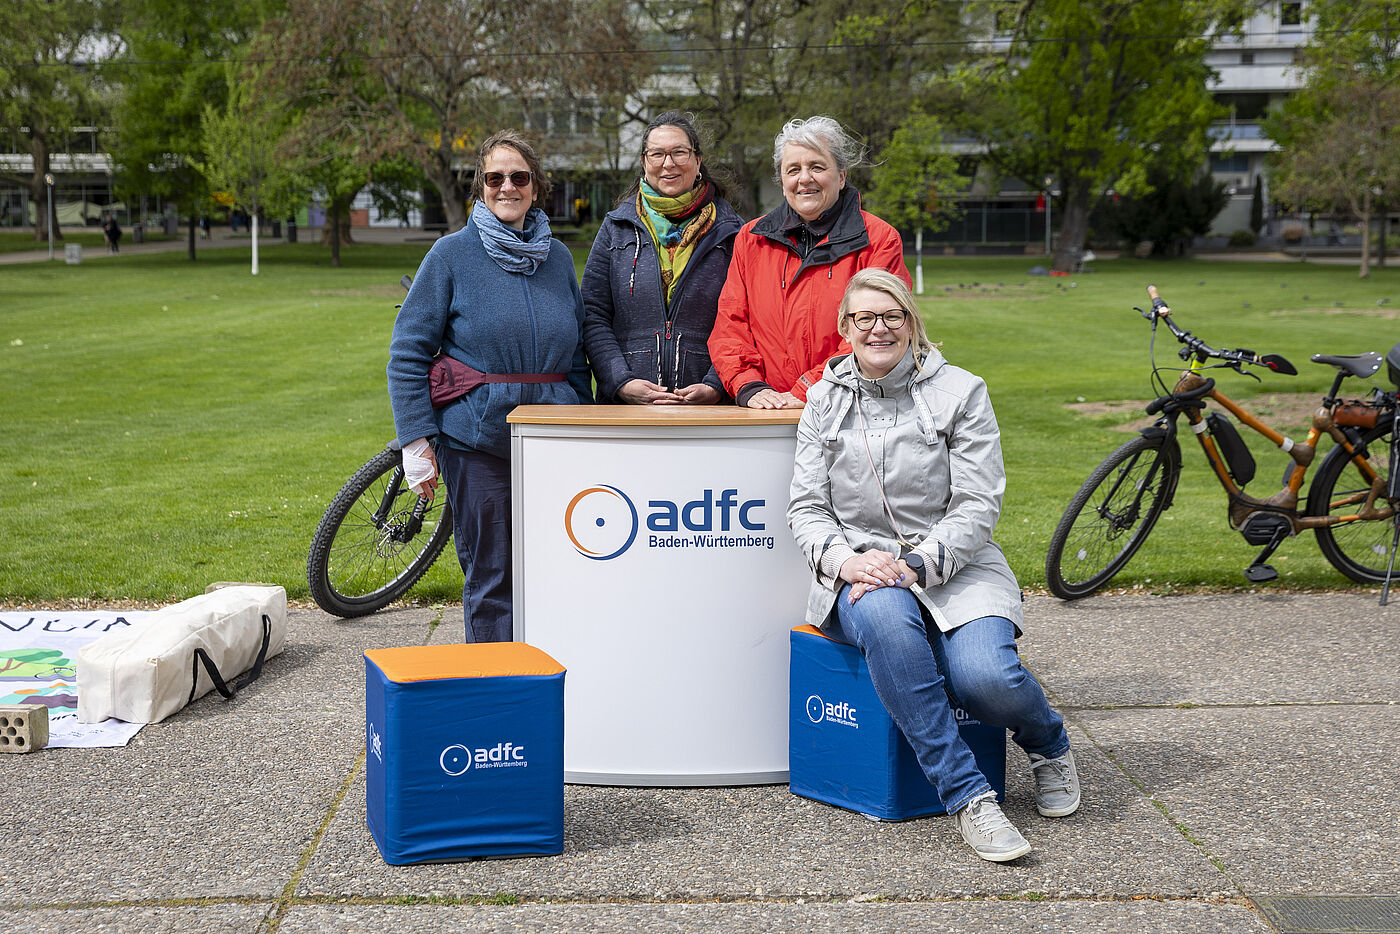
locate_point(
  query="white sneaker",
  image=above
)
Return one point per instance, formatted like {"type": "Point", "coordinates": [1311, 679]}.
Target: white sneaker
{"type": "Point", "coordinates": [988, 832]}
{"type": "Point", "coordinates": [1056, 784]}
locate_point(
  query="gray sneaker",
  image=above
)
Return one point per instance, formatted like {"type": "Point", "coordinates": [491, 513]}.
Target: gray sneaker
{"type": "Point", "coordinates": [1056, 784]}
{"type": "Point", "coordinates": [988, 832]}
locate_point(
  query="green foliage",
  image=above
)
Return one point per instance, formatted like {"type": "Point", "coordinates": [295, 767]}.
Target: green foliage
{"type": "Point", "coordinates": [1097, 93]}
{"type": "Point", "coordinates": [395, 186]}
{"type": "Point", "coordinates": [1339, 136]}
{"type": "Point", "coordinates": [915, 183]}
{"type": "Point", "coordinates": [1169, 213]}
{"type": "Point", "coordinates": [1242, 238]}
{"type": "Point", "coordinates": [46, 82]}
{"type": "Point", "coordinates": [241, 141]}
{"type": "Point", "coordinates": [170, 73]}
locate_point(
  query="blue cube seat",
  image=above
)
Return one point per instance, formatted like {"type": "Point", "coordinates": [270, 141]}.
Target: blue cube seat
{"type": "Point", "coordinates": [465, 752]}
{"type": "Point", "coordinates": [844, 749]}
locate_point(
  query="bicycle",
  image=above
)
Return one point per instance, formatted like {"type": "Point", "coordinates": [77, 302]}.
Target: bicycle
{"type": "Point", "coordinates": [377, 537]}
{"type": "Point", "coordinates": [1352, 512]}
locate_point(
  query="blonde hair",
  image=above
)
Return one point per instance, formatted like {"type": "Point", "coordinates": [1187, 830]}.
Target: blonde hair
{"type": "Point", "coordinates": [882, 280]}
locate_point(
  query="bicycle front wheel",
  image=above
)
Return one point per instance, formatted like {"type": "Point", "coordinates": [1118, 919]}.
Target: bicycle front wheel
{"type": "Point", "coordinates": [1111, 515]}
{"type": "Point", "coordinates": [366, 552]}
{"type": "Point", "coordinates": [1360, 549]}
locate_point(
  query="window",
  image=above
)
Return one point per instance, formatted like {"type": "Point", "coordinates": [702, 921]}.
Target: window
{"type": "Point", "coordinates": [1246, 58]}
{"type": "Point", "coordinates": [1290, 13]}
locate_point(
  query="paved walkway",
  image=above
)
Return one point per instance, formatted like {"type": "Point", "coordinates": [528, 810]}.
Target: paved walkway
{"type": "Point", "coordinates": [221, 238]}
{"type": "Point", "coordinates": [1237, 754]}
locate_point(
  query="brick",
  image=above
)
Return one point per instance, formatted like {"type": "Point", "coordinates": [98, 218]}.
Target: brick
{"type": "Point", "coordinates": [23, 727]}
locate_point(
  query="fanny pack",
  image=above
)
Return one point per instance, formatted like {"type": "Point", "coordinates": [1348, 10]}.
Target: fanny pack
{"type": "Point", "coordinates": [450, 379]}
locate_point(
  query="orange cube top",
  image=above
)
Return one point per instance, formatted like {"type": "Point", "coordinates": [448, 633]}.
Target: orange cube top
{"type": "Point", "coordinates": [476, 660]}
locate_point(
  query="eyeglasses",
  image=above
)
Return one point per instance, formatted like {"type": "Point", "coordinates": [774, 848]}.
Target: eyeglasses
{"type": "Point", "coordinates": [679, 156]}
{"type": "Point", "coordinates": [497, 179]}
{"type": "Point", "coordinates": [865, 320]}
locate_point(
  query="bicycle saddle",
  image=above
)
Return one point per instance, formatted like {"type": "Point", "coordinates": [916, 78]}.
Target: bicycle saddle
{"type": "Point", "coordinates": [1361, 364]}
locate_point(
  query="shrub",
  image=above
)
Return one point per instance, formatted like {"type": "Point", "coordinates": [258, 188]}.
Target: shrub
{"type": "Point", "coordinates": [1292, 233]}
{"type": "Point", "coordinates": [1242, 238]}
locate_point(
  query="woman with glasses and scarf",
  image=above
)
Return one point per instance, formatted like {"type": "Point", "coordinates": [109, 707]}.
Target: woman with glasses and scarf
{"type": "Point", "coordinates": [501, 296]}
{"type": "Point", "coordinates": [774, 333]}
{"type": "Point", "coordinates": [654, 275]}
{"type": "Point", "coordinates": [895, 492]}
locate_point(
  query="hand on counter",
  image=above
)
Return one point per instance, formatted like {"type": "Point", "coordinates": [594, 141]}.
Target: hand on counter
{"type": "Point", "coordinates": [699, 394]}
{"type": "Point", "coordinates": [642, 392]}
{"type": "Point", "coordinates": [772, 399]}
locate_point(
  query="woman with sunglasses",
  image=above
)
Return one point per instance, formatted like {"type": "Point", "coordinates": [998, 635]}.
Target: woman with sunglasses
{"type": "Point", "coordinates": [654, 275]}
{"type": "Point", "coordinates": [501, 296]}
{"type": "Point", "coordinates": [773, 330]}
{"type": "Point", "coordinates": [896, 489]}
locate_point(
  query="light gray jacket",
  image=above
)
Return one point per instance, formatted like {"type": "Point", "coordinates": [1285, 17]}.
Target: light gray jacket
{"type": "Point", "coordinates": [933, 439]}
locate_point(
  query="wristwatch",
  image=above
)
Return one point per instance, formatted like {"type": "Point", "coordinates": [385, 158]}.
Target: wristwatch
{"type": "Point", "coordinates": [915, 562]}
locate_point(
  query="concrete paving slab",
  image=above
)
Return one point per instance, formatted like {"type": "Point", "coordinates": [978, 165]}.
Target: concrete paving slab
{"type": "Point", "coordinates": [1292, 800]}
{"type": "Point", "coordinates": [1213, 649]}
{"type": "Point", "coordinates": [147, 919]}
{"type": "Point", "coordinates": [763, 842]}
{"type": "Point", "coordinates": [959, 917]}
{"type": "Point", "coordinates": [219, 800]}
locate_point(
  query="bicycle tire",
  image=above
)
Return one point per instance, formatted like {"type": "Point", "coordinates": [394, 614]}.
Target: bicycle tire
{"type": "Point", "coordinates": [1102, 529]}
{"type": "Point", "coordinates": [356, 566]}
{"type": "Point", "coordinates": [1361, 549]}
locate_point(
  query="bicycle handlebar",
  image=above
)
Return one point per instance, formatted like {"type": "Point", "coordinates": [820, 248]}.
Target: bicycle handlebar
{"type": "Point", "coordinates": [1202, 350]}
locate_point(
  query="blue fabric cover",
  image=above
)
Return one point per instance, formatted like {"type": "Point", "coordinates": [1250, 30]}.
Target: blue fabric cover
{"type": "Point", "coordinates": [504, 803]}
{"type": "Point", "coordinates": [853, 756]}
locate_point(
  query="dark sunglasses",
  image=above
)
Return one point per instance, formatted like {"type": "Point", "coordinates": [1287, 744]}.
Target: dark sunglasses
{"type": "Point", "coordinates": [497, 179]}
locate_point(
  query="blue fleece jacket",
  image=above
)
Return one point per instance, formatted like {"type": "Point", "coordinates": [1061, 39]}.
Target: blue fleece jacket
{"type": "Point", "coordinates": [463, 303]}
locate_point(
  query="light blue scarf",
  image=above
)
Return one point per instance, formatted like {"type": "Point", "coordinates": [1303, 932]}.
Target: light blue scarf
{"type": "Point", "coordinates": [514, 250]}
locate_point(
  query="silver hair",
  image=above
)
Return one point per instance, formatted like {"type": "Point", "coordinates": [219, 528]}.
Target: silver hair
{"type": "Point", "coordinates": [822, 134]}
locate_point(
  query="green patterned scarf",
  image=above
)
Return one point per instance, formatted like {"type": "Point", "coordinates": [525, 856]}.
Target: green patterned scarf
{"type": "Point", "coordinates": [676, 225]}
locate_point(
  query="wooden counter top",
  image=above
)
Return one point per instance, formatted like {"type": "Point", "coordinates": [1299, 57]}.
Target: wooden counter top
{"type": "Point", "coordinates": [642, 415]}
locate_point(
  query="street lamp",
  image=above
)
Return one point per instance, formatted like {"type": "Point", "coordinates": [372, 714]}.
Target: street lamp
{"type": "Point", "coordinates": [1048, 200]}
{"type": "Point", "coordinates": [48, 219]}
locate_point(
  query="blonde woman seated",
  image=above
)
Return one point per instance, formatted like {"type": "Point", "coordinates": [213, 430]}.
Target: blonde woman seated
{"type": "Point", "coordinates": [896, 490]}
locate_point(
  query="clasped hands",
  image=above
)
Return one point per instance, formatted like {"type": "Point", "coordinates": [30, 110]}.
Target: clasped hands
{"type": "Point", "coordinates": [645, 392]}
{"type": "Point", "coordinates": [871, 570]}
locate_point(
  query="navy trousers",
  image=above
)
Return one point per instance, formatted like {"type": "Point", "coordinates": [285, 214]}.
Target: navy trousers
{"type": "Point", "coordinates": [478, 489]}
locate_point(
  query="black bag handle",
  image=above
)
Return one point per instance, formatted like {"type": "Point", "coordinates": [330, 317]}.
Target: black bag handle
{"type": "Point", "coordinates": [219, 685]}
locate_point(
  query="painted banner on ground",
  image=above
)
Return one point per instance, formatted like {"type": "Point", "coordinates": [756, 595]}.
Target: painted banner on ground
{"type": "Point", "coordinates": [39, 665]}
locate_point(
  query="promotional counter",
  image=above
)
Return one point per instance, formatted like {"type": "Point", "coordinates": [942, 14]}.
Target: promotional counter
{"type": "Point", "coordinates": [653, 560]}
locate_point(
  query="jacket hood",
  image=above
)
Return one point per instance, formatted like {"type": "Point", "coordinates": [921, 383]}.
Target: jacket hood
{"type": "Point", "coordinates": [841, 369]}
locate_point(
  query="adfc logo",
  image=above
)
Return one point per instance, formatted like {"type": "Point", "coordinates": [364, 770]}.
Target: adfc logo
{"type": "Point", "coordinates": [602, 522]}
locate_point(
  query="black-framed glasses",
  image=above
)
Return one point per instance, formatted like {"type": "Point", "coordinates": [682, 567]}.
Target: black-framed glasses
{"type": "Point", "coordinates": [679, 156]}
{"type": "Point", "coordinates": [497, 179]}
{"type": "Point", "coordinates": [865, 320]}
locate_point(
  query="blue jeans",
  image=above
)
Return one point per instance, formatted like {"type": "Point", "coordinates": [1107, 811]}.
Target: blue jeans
{"type": "Point", "coordinates": [917, 670]}
{"type": "Point", "coordinates": [478, 488]}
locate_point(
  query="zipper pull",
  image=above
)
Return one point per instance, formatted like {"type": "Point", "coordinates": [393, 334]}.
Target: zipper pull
{"type": "Point", "coordinates": [668, 329]}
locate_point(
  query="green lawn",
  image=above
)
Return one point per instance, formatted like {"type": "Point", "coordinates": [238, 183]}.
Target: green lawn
{"type": "Point", "coordinates": [167, 424]}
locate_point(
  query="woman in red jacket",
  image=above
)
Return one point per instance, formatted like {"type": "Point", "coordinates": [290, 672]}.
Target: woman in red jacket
{"type": "Point", "coordinates": [775, 328]}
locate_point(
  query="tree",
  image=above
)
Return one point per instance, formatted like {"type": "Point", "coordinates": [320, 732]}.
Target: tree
{"type": "Point", "coordinates": [1095, 92]}
{"type": "Point", "coordinates": [46, 81]}
{"type": "Point", "coordinates": [1341, 149]}
{"type": "Point", "coordinates": [916, 181]}
{"type": "Point", "coordinates": [1170, 212]}
{"type": "Point", "coordinates": [1339, 136]}
{"type": "Point", "coordinates": [241, 141]}
{"type": "Point", "coordinates": [171, 70]}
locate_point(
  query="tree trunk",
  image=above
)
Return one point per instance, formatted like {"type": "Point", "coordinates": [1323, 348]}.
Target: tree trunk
{"type": "Point", "coordinates": [45, 209]}
{"type": "Point", "coordinates": [1074, 227]}
{"type": "Point", "coordinates": [454, 195]}
{"type": "Point", "coordinates": [1365, 235]}
{"type": "Point", "coordinates": [190, 245]}
{"type": "Point", "coordinates": [335, 233]}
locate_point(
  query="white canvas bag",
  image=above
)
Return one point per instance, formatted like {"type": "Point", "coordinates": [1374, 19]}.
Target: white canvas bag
{"type": "Point", "coordinates": [180, 653]}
